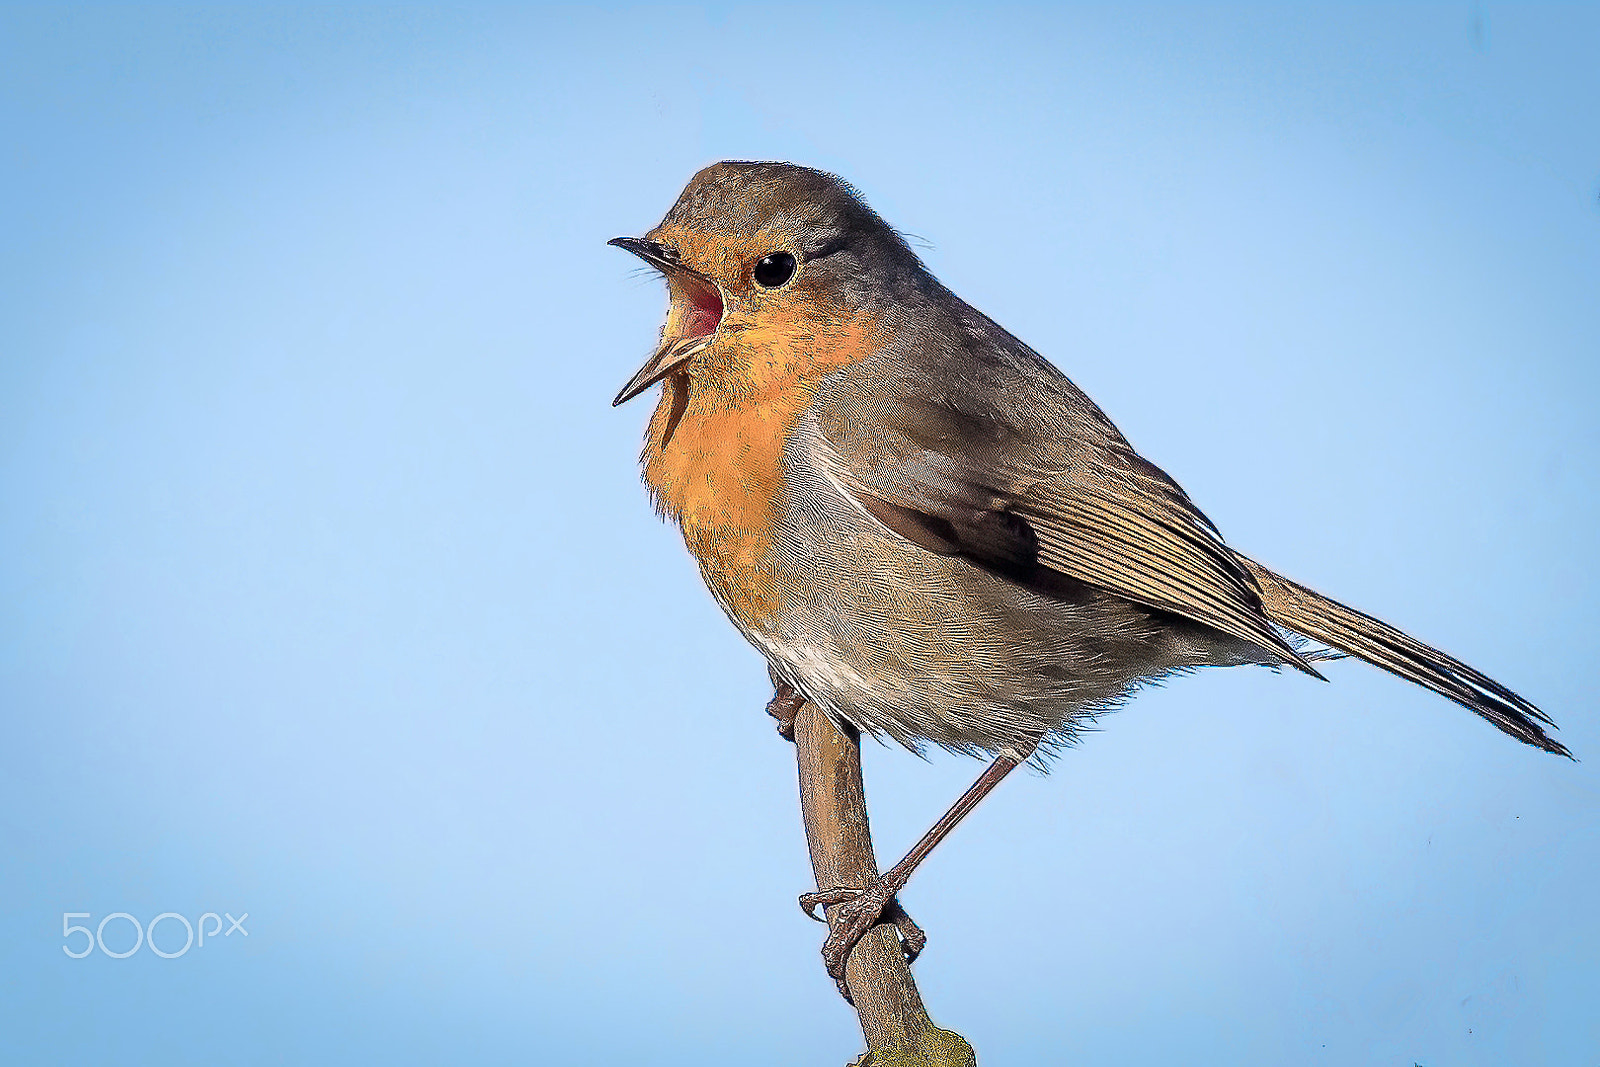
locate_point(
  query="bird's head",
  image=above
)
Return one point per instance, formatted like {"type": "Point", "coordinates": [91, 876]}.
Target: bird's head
{"type": "Point", "coordinates": [751, 244]}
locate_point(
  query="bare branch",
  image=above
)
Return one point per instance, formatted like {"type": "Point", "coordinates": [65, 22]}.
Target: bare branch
{"type": "Point", "coordinates": [833, 803]}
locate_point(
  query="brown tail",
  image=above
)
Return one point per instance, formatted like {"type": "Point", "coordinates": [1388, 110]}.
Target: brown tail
{"type": "Point", "coordinates": [1310, 613]}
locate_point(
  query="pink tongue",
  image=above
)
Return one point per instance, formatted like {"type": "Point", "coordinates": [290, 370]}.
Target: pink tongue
{"type": "Point", "coordinates": [705, 312]}
{"type": "Point", "coordinates": [701, 321]}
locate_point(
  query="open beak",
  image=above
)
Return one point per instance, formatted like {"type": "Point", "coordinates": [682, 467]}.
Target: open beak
{"type": "Point", "coordinates": [692, 320]}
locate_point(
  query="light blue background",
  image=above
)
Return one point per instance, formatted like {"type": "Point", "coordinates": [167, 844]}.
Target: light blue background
{"type": "Point", "coordinates": [329, 593]}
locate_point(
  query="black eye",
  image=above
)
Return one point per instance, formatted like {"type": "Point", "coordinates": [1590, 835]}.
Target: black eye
{"type": "Point", "coordinates": [774, 270]}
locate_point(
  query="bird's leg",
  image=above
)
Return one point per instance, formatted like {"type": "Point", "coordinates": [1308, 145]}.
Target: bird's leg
{"type": "Point", "coordinates": [784, 705]}
{"type": "Point", "coordinates": [858, 910]}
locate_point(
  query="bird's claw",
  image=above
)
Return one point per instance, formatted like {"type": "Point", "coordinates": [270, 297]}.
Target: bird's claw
{"type": "Point", "coordinates": [810, 902]}
{"type": "Point", "coordinates": [857, 911]}
{"type": "Point", "coordinates": [784, 706]}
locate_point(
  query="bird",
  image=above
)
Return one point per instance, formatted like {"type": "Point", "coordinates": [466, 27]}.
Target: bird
{"type": "Point", "coordinates": [928, 531]}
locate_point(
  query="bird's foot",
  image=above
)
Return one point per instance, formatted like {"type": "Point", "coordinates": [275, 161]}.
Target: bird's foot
{"type": "Point", "coordinates": [784, 706]}
{"type": "Point", "coordinates": [857, 911]}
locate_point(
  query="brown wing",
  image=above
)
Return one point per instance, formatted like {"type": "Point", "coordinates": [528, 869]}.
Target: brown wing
{"type": "Point", "coordinates": [1080, 504]}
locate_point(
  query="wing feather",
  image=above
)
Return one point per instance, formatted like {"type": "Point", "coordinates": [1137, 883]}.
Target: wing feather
{"type": "Point", "coordinates": [1029, 507]}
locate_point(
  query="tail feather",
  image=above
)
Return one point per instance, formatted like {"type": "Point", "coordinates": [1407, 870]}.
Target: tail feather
{"type": "Point", "coordinates": [1306, 612]}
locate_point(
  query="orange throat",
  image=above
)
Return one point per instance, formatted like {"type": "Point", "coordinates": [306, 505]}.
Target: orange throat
{"type": "Point", "coordinates": [714, 452]}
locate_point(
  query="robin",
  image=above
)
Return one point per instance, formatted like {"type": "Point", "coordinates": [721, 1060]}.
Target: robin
{"type": "Point", "coordinates": [928, 531]}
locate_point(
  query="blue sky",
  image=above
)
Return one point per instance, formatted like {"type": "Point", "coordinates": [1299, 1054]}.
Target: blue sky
{"type": "Point", "coordinates": [329, 593]}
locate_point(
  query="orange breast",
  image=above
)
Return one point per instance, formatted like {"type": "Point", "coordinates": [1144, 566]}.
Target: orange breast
{"type": "Point", "coordinates": [714, 452]}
